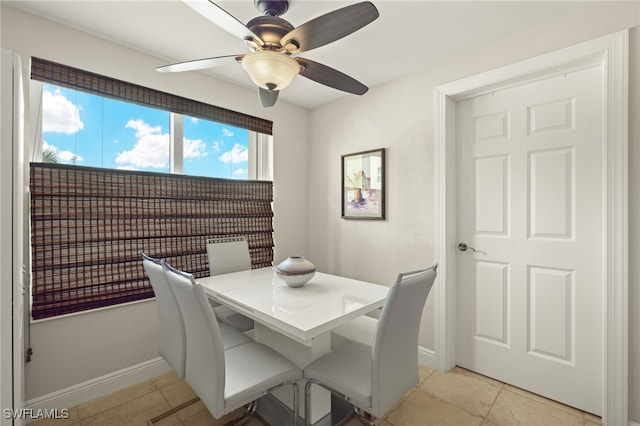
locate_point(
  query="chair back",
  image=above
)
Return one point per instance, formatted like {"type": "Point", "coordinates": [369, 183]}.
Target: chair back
{"type": "Point", "coordinates": [205, 366]}
{"type": "Point", "coordinates": [228, 254]}
{"type": "Point", "coordinates": [394, 367]}
{"type": "Point", "coordinates": [171, 336]}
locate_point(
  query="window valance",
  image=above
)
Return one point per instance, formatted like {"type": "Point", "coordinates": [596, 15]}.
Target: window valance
{"type": "Point", "coordinates": [64, 75]}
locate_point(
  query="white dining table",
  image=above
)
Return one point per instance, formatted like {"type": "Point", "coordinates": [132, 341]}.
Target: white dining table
{"type": "Point", "coordinates": [296, 322]}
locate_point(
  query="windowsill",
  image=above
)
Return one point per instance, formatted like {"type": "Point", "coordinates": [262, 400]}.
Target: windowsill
{"type": "Point", "coordinates": [91, 311]}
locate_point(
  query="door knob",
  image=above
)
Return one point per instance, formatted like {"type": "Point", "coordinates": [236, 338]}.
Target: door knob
{"type": "Point", "coordinates": [465, 247]}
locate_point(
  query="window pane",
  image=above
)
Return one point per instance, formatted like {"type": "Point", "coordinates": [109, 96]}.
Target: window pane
{"type": "Point", "coordinates": [87, 130]}
{"type": "Point", "coordinates": [215, 150]}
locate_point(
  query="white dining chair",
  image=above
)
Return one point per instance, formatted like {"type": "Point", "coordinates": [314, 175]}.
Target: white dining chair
{"type": "Point", "coordinates": [361, 329]}
{"type": "Point", "coordinates": [229, 254]}
{"type": "Point", "coordinates": [374, 378]}
{"type": "Point", "coordinates": [172, 345]}
{"type": "Point", "coordinates": [171, 334]}
{"type": "Point", "coordinates": [171, 339]}
{"type": "Point", "coordinates": [226, 380]}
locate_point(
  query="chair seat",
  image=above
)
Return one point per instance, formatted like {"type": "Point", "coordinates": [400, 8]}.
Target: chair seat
{"type": "Point", "coordinates": [232, 337]}
{"type": "Point", "coordinates": [252, 366]}
{"type": "Point", "coordinates": [346, 370]}
{"type": "Point", "coordinates": [361, 330]}
{"type": "Point", "coordinates": [233, 318]}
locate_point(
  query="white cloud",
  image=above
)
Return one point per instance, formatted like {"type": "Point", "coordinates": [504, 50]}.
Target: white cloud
{"type": "Point", "coordinates": [227, 132]}
{"type": "Point", "coordinates": [151, 149]}
{"type": "Point", "coordinates": [217, 146]}
{"type": "Point", "coordinates": [240, 172]}
{"type": "Point", "coordinates": [238, 154]}
{"type": "Point", "coordinates": [127, 168]}
{"type": "Point", "coordinates": [59, 114]}
{"type": "Point", "coordinates": [194, 148]}
{"type": "Point", "coordinates": [66, 157]}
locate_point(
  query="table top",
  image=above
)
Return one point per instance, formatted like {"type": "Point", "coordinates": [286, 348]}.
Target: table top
{"type": "Point", "coordinates": [325, 302]}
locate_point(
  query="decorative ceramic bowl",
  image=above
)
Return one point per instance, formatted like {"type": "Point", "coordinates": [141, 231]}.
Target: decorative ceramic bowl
{"type": "Point", "coordinates": [295, 271]}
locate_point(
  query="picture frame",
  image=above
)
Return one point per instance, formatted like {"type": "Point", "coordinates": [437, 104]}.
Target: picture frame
{"type": "Point", "coordinates": [363, 185]}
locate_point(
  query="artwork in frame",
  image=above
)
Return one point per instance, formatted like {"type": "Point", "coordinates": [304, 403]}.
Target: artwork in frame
{"type": "Point", "coordinates": [363, 189]}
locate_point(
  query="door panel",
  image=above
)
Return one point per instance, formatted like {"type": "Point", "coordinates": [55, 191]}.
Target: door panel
{"type": "Point", "coordinates": [530, 201]}
{"type": "Point", "coordinates": [492, 302]}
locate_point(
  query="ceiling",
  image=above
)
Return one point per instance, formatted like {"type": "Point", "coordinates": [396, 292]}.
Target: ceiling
{"type": "Point", "coordinates": [407, 37]}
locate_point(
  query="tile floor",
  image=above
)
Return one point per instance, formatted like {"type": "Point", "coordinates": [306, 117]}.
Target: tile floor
{"type": "Point", "coordinates": [459, 398]}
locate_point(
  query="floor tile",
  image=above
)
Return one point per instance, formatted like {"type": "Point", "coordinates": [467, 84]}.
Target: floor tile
{"type": "Point", "coordinates": [192, 410]}
{"type": "Point", "coordinates": [513, 408]}
{"type": "Point", "coordinates": [166, 379]}
{"type": "Point", "coordinates": [591, 420]}
{"type": "Point", "coordinates": [469, 373]}
{"type": "Point", "coordinates": [172, 420]}
{"type": "Point", "coordinates": [135, 412]}
{"type": "Point", "coordinates": [425, 372]}
{"type": "Point", "coordinates": [98, 405]}
{"type": "Point", "coordinates": [177, 393]}
{"type": "Point", "coordinates": [423, 409]}
{"type": "Point", "coordinates": [464, 390]}
{"type": "Point", "coordinates": [543, 400]}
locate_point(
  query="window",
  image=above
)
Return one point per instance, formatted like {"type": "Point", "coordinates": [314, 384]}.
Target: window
{"type": "Point", "coordinates": [215, 150]}
{"type": "Point", "coordinates": [83, 129]}
{"type": "Point", "coordinates": [89, 224]}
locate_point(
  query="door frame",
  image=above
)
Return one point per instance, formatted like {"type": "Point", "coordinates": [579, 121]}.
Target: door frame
{"type": "Point", "coordinates": [611, 52]}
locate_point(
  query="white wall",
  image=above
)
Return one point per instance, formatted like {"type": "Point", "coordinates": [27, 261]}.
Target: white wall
{"type": "Point", "coordinates": [113, 339]}
{"type": "Point", "coordinates": [399, 117]}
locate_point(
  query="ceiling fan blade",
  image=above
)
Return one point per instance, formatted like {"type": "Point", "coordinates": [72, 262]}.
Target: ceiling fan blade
{"type": "Point", "coordinates": [268, 97]}
{"type": "Point", "coordinates": [331, 26]}
{"type": "Point", "coordinates": [330, 77]}
{"type": "Point", "coordinates": [223, 19]}
{"type": "Point", "coordinates": [199, 64]}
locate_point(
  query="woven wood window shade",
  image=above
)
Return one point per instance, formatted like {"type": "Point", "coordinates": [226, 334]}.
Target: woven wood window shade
{"type": "Point", "coordinates": [89, 226]}
{"type": "Point", "coordinates": [63, 75]}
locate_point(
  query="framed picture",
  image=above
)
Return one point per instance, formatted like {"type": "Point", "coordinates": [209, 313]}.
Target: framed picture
{"type": "Point", "coordinates": [363, 187]}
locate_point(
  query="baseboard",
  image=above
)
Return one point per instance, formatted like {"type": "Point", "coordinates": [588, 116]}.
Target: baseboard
{"type": "Point", "coordinates": [427, 357]}
{"type": "Point", "coordinates": [100, 386]}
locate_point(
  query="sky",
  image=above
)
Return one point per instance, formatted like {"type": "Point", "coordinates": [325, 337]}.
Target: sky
{"type": "Point", "coordinates": [89, 130]}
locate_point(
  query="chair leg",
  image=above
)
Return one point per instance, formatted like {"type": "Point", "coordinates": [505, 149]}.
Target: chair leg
{"type": "Point", "coordinates": [365, 418]}
{"type": "Point", "coordinates": [307, 398]}
{"type": "Point", "coordinates": [252, 407]}
{"type": "Point", "coordinates": [296, 404]}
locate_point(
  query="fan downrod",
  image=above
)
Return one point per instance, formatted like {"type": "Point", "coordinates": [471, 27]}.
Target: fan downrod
{"type": "Point", "coordinates": [272, 7]}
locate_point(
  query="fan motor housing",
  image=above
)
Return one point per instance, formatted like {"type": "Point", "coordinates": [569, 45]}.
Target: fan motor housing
{"type": "Point", "coordinates": [272, 7]}
{"type": "Point", "coordinates": [270, 29]}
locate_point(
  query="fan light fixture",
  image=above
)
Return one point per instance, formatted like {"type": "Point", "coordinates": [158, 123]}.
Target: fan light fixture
{"type": "Point", "coordinates": [270, 70]}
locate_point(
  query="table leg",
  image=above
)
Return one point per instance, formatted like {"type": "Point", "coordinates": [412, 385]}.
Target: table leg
{"type": "Point", "coordinates": [301, 355]}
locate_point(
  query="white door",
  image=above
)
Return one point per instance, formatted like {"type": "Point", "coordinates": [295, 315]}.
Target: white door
{"type": "Point", "coordinates": [530, 202]}
{"type": "Point", "coordinates": [12, 237]}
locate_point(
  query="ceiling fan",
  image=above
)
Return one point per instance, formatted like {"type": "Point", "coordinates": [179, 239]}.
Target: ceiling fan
{"type": "Point", "coordinates": [273, 41]}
